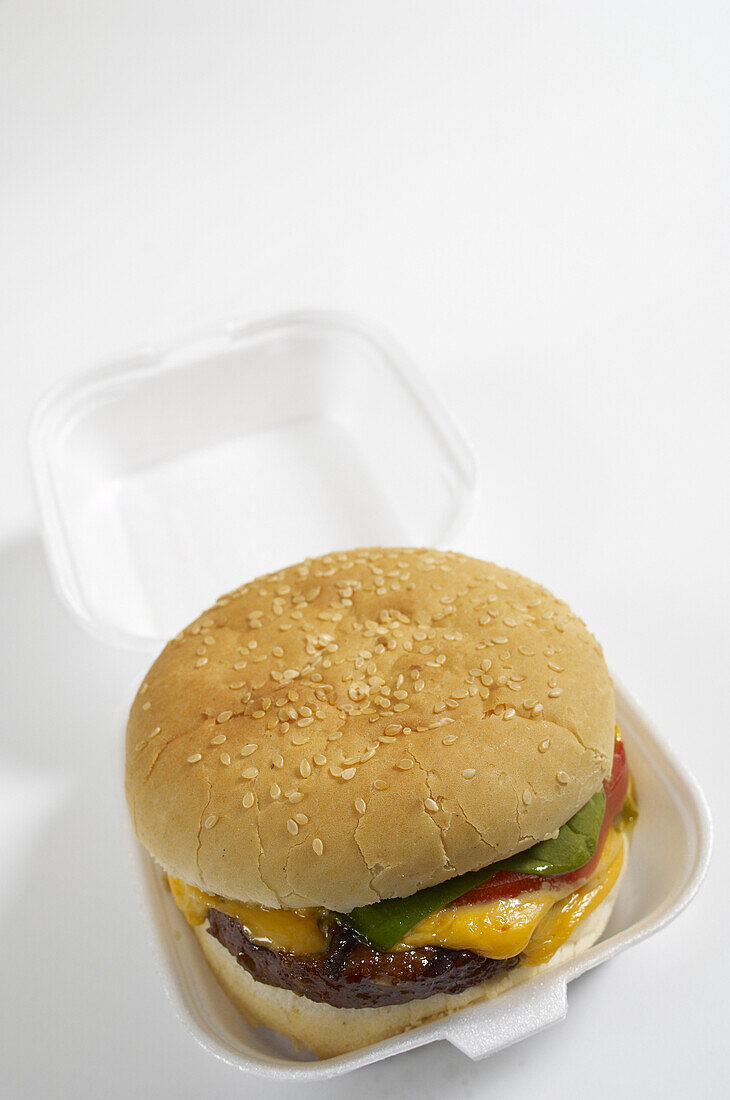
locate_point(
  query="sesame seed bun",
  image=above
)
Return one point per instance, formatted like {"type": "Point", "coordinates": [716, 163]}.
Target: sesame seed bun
{"type": "Point", "coordinates": [365, 724]}
{"type": "Point", "coordinates": [328, 1031]}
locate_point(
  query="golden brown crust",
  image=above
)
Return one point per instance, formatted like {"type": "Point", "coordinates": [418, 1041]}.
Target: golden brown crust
{"type": "Point", "coordinates": [364, 724]}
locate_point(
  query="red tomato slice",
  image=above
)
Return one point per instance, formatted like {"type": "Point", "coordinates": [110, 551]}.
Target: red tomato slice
{"type": "Point", "coordinates": [508, 884]}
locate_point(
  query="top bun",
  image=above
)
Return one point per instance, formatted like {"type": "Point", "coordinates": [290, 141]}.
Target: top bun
{"type": "Point", "coordinates": [365, 724]}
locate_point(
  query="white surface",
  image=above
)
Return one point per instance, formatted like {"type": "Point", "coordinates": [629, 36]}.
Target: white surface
{"type": "Point", "coordinates": [532, 199]}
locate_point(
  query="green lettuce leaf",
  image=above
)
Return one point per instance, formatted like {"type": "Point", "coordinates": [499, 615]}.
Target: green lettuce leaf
{"type": "Point", "coordinates": [385, 923]}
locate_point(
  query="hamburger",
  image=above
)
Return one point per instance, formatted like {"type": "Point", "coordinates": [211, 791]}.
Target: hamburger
{"type": "Point", "coordinates": [382, 785]}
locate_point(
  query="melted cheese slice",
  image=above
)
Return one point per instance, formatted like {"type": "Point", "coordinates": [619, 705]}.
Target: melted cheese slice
{"type": "Point", "coordinates": [294, 930]}
{"type": "Point", "coordinates": [534, 924]}
{"type": "Point", "coordinates": [499, 929]}
{"type": "Point", "coordinates": [564, 918]}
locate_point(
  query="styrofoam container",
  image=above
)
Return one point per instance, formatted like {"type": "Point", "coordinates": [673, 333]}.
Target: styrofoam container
{"type": "Point", "coordinates": [168, 478]}
{"type": "Point", "coordinates": [670, 850]}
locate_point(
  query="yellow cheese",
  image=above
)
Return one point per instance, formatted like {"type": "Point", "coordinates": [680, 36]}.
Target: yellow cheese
{"type": "Point", "coordinates": [499, 929]}
{"type": "Point", "coordinates": [560, 923]}
{"type": "Point", "coordinates": [294, 930]}
{"type": "Point", "coordinates": [534, 924]}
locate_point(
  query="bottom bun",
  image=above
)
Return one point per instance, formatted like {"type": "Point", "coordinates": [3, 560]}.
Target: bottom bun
{"type": "Point", "coordinates": [327, 1031]}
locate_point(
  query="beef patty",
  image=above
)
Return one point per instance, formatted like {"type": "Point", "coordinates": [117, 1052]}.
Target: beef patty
{"type": "Point", "coordinates": [351, 973]}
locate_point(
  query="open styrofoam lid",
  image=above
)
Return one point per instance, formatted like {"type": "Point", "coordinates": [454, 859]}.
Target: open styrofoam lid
{"type": "Point", "coordinates": [170, 478]}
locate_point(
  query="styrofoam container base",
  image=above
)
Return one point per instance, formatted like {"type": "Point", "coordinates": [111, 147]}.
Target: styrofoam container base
{"type": "Point", "coordinates": [670, 850]}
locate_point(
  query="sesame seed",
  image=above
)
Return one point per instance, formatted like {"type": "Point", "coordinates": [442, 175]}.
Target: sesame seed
{"type": "Point", "coordinates": [348, 773]}
{"type": "Point", "coordinates": [360, 805]}
{"type": "Point", "coordinates": [469, 773]}
{"type": "Point", "coordinates": [393, 728]}
{"type": "Point", "coordinates": [277, 760]}
{"type": "Point", "coordinates": [301, 819]}
{"type": "Point", "coordinates": [555, 668]}
{"type": "Point", "coordinates": [450, 739]}
{"type": "Point", "coordinates": [146, 706]}
{"type": "Point", "coordinates": [224, 716]}
{"type": "Point", "coordinates": [292, 826]}
{"type": "Point", "coordinates": [249, 773]}
{"type": "Point", "coordinates": [317, 846]}
{"type": "Point", "coordinates": [431, 805]}
{"type": "Point", "coordinates": [274, 790]}
{"type": "Point", "coordinates": [299, 739]}
{"type": "Point", "coordinates": [247, 800]}
{"type": "Point", "coordinates": [527, 796]}
{"type": "Point", "coordinates": [563, 777]}
{"type": "Point", "coordinates": [194, 758]}
{"type": "Point", "coordinates": [405, 764]}
{"type": "Point", "coordinates": [139, 746]}
{"type": "Point", "coordinates": [225, 759]}
{"type": "Point", "coordinates": [248, 749]}
{"type": "Point", "coordinates": [544, 745]}
{"type": "Point", "coordinates": [305, 769]}
{"type": "Point", "coordinates": [381, 785]}
{"type": "Point", "coordinates": [210, 821]}
{"type": "Point", "coordinates": [554, 693]}
{"type": "Point", "coordinates": [537, 709]}
{"type": "Point", "coordinates": [218, 739]}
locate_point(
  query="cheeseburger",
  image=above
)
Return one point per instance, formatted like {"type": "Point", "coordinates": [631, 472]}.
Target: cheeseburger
{"type": "Point", "coordinates": [382, 785]}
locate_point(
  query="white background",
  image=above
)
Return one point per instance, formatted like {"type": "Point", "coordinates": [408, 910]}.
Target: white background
{"type": "Point", "coordinates": [533, 198]}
